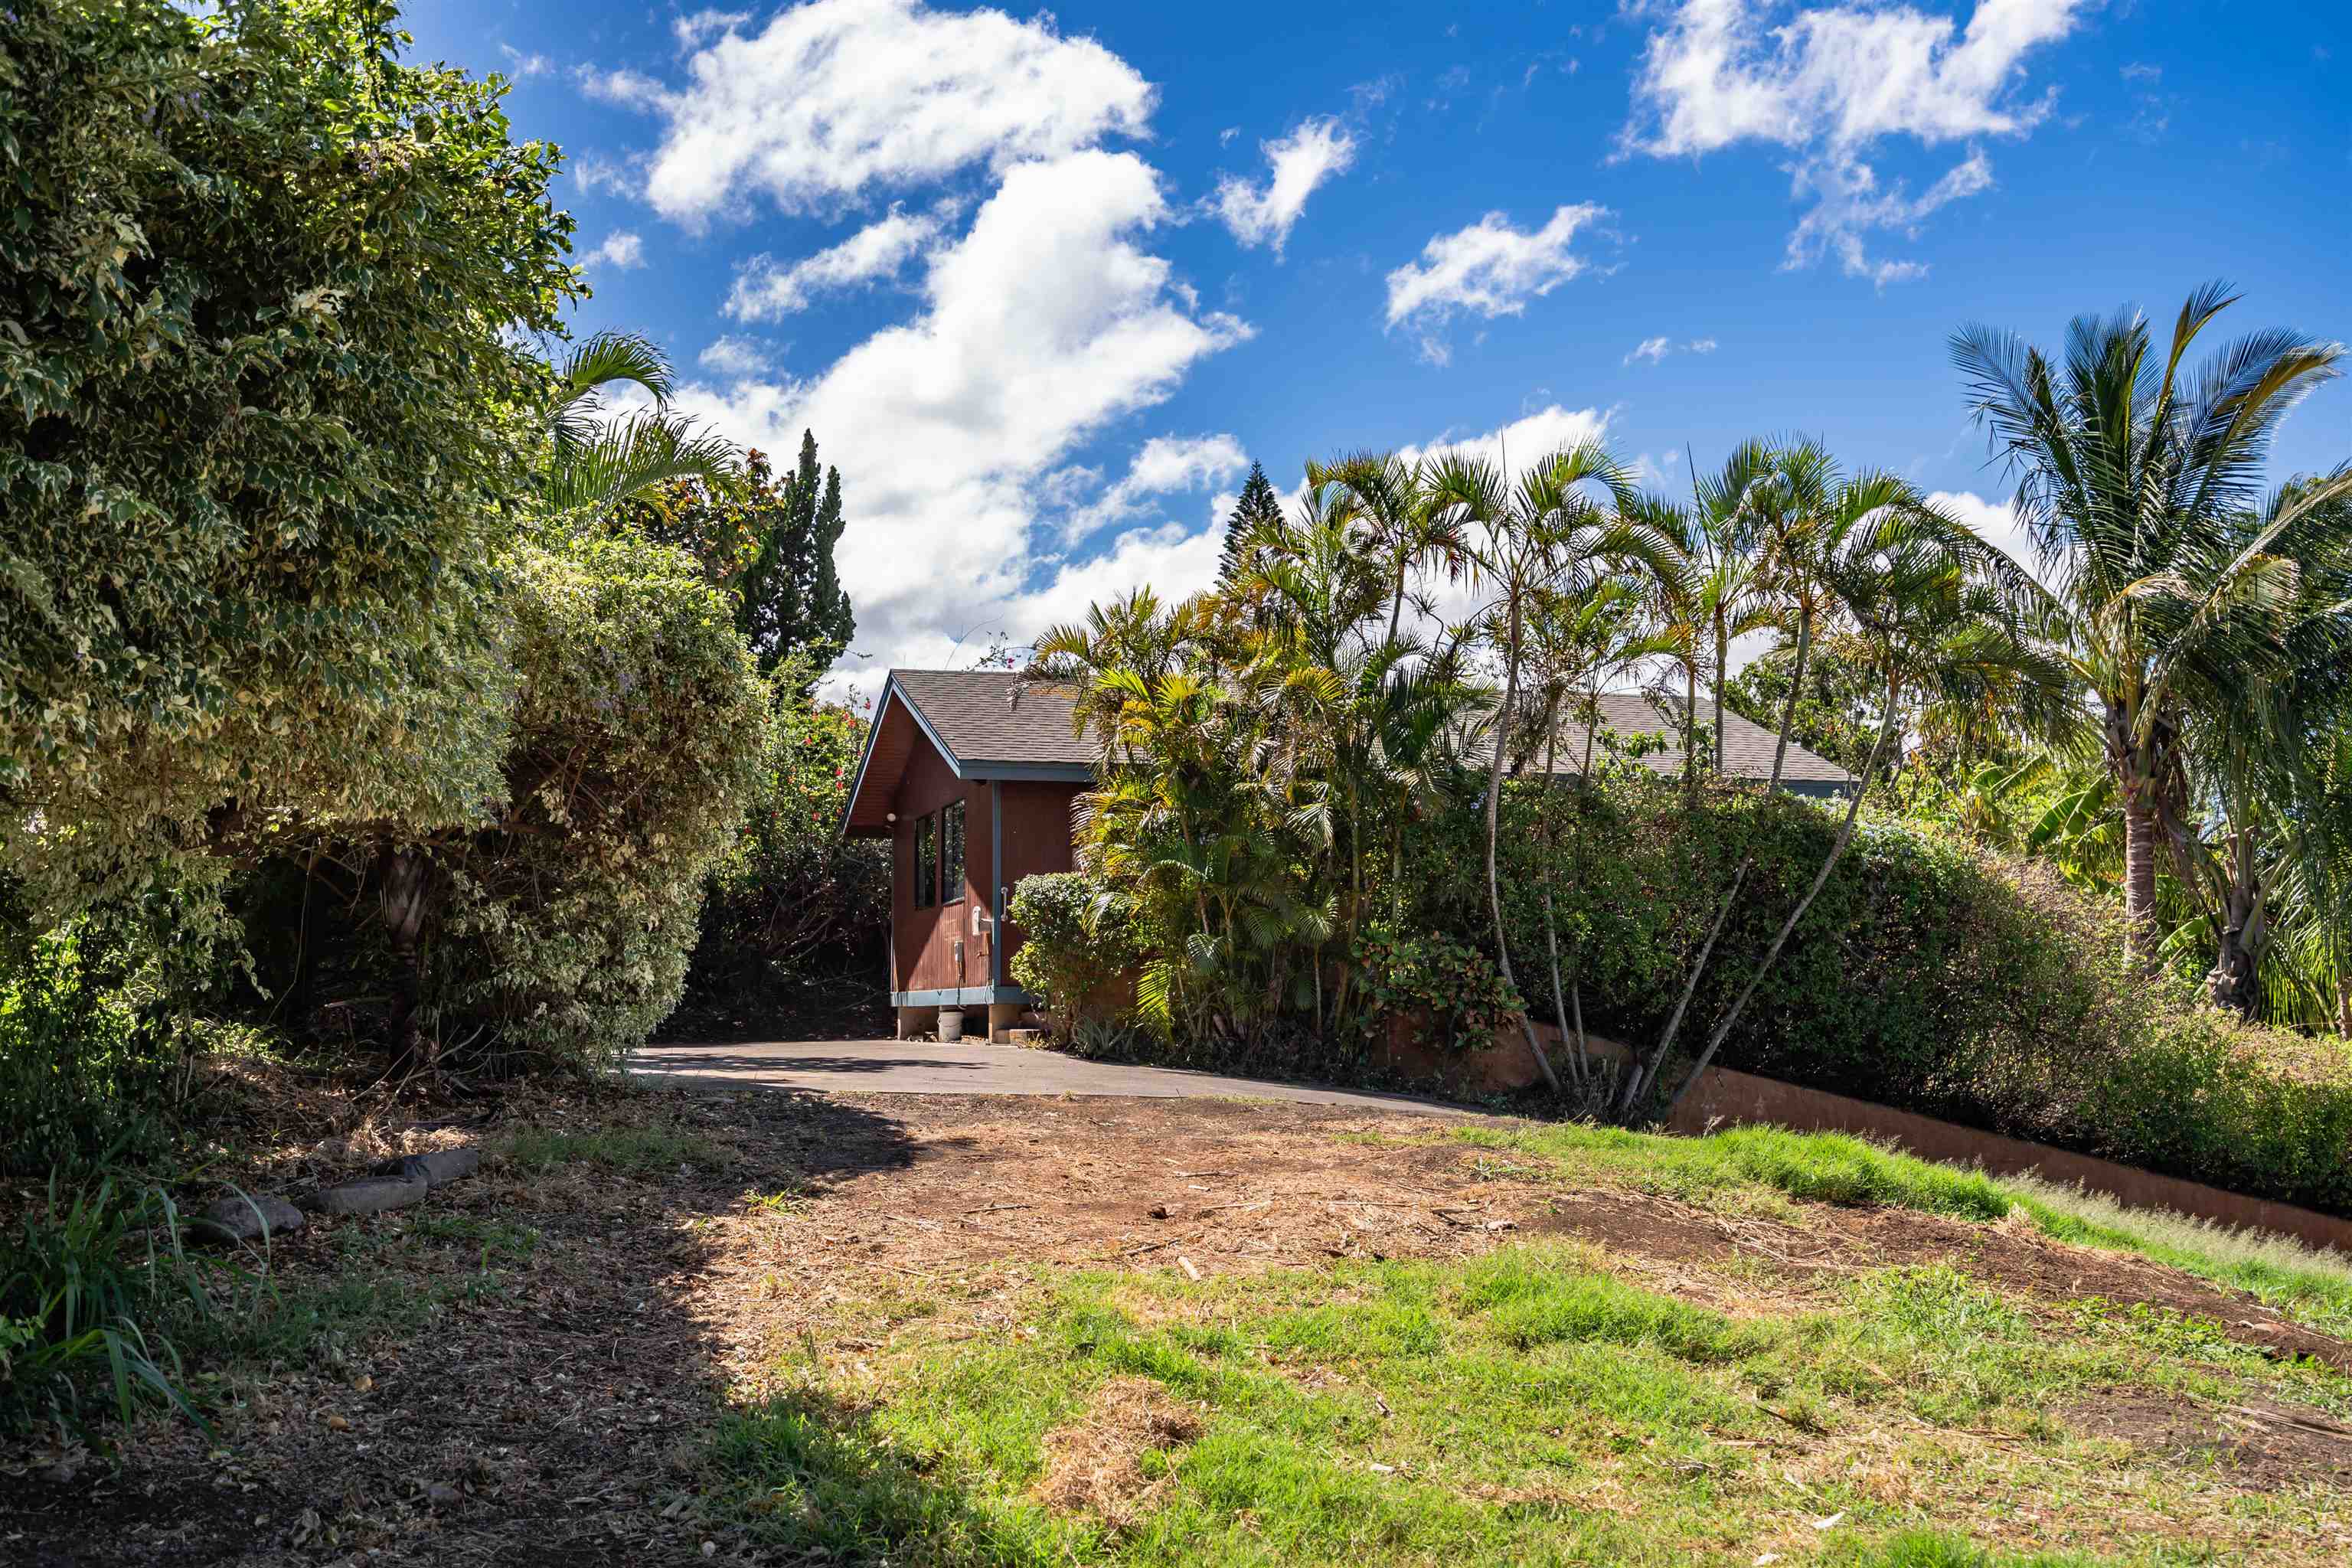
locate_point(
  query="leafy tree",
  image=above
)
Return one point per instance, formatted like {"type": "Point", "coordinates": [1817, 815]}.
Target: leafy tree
{"type": "Point", "coordinates": [771, 542]}
{"type": "Point", "coordinates": [566, 923]}
{"type": "Point", "coordinates": [263, 418]}
{"type": "Point", "coordinates": [793, 605]}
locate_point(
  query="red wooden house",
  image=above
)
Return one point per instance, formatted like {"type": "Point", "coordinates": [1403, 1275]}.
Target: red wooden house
{"type": "Point", "coordinates": [971, 774]}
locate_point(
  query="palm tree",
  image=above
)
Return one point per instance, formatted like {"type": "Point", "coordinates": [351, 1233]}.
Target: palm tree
{"type": "Point", "coordinates": [1720, 540]}
{"type": "Point", "coordinates": [1805, 512]}
{"type": "Point", "coordinates": [1392, 503]}
{"type": "Point", "coordinates": [1939, 610]}
{"type": "Point", "coordinates": [2128, 475]}
{"type": "Point", "coordinates": [596, 461]}
{"type": "Point", "coordinates": [1543, 535]}
{"type": "Point", "coordinates": [1578, 643]}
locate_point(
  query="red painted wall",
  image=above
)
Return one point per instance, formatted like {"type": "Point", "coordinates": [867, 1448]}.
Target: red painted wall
{"type": "Point", "coordinates": [1037, 838]}
{"type": "Point", "coordinates": [1037, 827]}
{"type": "Point", "coordinates": [923, 940]}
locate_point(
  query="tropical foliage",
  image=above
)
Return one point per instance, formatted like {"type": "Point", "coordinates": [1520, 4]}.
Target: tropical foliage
{"type": "Point", "coordinates": [1416, 644]}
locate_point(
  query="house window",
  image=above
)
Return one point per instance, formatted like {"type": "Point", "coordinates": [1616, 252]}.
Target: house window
{"type": "Point", "coordinates": [952, 853]}
{"type": "Point", "coordinates": [927, 862]}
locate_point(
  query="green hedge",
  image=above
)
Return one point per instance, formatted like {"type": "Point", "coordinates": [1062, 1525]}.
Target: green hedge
{"type": "Point", "coordinates": [1928, 975]}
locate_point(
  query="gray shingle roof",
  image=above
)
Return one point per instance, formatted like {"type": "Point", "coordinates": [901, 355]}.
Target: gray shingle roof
{"type": "Point", "coordinates": [996, 716]}
{"type": "Point", "coordinates": [993, 716]}
{"type": "Point", "coordinates": [1747, 746]}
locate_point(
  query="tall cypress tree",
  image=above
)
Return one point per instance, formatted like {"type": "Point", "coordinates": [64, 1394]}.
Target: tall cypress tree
{"type": "Point", "coordinates": [793, 600]}
{"type": "Point", "coordinates": [1258, 504]}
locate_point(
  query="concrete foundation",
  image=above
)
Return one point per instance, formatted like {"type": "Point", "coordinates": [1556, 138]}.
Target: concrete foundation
{"type": "Point", "coordinates": [1002, 1018]}
{"type": "Point", "coordinates": [915, 1022]}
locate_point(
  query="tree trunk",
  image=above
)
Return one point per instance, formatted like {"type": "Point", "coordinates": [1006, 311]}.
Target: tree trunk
{"type": "Point", "coordinates": [1796, 686]}
{"type": "Point", "coordinates": [1722, 674]}
{"type": "Point", "coordinates": [1821, 879]}
{"type": "Point", "coordinates": [2140, 933]}
{"type": "Point", "coordinates": [1690, 721]}
{"type": "Point", "coordinates": [1576, 1063]}
{"type": "Point", "coordinates": [1493, 816]}
{"type": "Point", "coordinates": [403, 896]}
{"type": "Point", "coordinates": [2237, 959]}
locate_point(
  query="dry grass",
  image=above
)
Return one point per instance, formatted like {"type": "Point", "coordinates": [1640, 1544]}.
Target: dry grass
{"type": "Point", "coordinates": [1096, 1463]}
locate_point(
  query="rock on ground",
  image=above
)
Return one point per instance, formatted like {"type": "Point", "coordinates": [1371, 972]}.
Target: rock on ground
{"type": "Point", "coordinates": [370, 1194]}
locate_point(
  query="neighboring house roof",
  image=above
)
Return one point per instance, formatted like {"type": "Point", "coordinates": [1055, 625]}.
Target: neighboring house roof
{"type": "Point", "coordinates": [1747, 746]}
{"type": "Point", "coordinates": [986, 724]}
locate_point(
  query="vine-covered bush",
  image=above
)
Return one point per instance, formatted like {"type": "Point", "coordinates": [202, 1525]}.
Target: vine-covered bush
{"type": "Point", "coordinates": [266, 291]}
{"type": "Point", "coordinates": [639, 733]}
{"type": "Point", "coordinates": [1080, 945]}
{"type": "Point", "coordinates": [1454, 986]}
{"type": "Point", "coordinates": [1929, 975]}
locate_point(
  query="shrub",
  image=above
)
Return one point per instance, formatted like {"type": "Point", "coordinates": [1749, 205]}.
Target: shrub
{"type": "Point", "coordinates": [1929, 974]}
{"type": "Point", "coordinates": [266, 288]}
{"type": "Point", "coordinates": [1080, 945]}
{"type": "Point", "coordinates": [87, 1283]}
{"type": "Point", "coordinates": [1453, 985]}
{"type": "Point", "coordinates": [638, 733]}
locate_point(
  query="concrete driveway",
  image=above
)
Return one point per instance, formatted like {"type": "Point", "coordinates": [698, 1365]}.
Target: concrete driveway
{"type": "Point", "coordinates": [924, 1066]}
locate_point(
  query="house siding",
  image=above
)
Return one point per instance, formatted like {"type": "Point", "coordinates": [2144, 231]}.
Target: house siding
{"type": "Point", "coordinates": [925, 953]}
{"type": "Point", "coordinates": [1037, 834]}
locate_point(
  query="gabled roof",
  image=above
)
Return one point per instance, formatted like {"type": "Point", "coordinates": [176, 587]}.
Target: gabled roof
{"type": "Point", "coordinates": [1747, 746]}
{"type": "Point", "coordinates": [985, 724]}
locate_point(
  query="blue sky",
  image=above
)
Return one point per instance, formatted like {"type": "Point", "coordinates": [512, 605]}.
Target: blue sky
{"type": "Point", "coordinates": [1044, 282]}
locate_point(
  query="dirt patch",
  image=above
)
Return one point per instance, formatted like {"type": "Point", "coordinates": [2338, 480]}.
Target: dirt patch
{"type": "Point", "coordinates": [2014, 1256]}
{"type": "Point", "coordinates": [2010, 1255]}
{"type": "Point", "coordinates": [990, 1190]}
{"type": "Point", "coordinates": [2256, 1447]}
{"type": "Point", "coordinates": [1096, 1463]}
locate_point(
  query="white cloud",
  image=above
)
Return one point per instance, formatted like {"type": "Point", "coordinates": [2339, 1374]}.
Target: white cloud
{"type": "Point", "coordinates": [621, 249]}
{"type": "Point", "coordinates": [706, 24]}
{"type": "Point", "coordinates": [1315, 151]}
{"type": "Point", "coordinates": [766, 289]}
{"type": "Point", "coordinates": [837, 98]}
{"type": "Point", "coordinates": [1490, 268]}
{"type": "Point", "coordinates": [1165, 465]}
{"type": "Point", "coordinates": [1831, 84]}
{"type": "Point", "coordinates": [595, 174]}
{"type": "Point", "coordinates": [1851, 204]}
{"type": "Point", "coordinates": [524, 66]}
{"type": "Point", "coordinates": [1652, 350]}
{"type": "Point", "coordinates": [733, 357]}
{"type": "Point", "coordinates": [1040, 326]}
{"type": "Point", "coordinates": [1997, 523]}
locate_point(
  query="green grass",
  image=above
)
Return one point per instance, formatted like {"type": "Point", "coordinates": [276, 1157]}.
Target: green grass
{"type": "Point", "coordinates": [639, 1151]}
{"type": "Point", "coordinates": [1758, 1165]}
{"type": "Point", "coordinates": [1523, 1408]}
